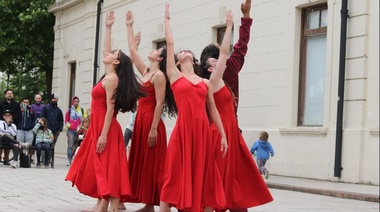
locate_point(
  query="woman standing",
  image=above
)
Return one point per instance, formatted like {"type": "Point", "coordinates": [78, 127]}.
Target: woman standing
{"type": "Point", "coordinates": [191, 180]}
{"type": "Point", "coordinates": [242, 182]}
{"type": "Point", "coordinates": [100, 169]}
{"type": "Point", "coordinates": [148, 149]}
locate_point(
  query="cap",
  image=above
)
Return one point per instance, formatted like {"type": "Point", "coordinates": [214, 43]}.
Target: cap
{"type": "Point", "coordinates": [7, 111]}
{"type": "Point", "coordinates": [54, 96]}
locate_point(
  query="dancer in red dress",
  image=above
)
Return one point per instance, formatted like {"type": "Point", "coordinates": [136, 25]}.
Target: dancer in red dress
{"type": "Point", "coordinates": [191, 181]}
{"type": "Point", "coordinates": [148, 149]}
{"type": "Point", "coordinates": [100, 169]}
{"type": "Point", "coordinates": [242, 182]}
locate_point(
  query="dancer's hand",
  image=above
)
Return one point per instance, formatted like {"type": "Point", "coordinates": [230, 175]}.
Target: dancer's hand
{"type": "Point", "coordinates": [101, 144]}
{"type": "Point", "coordinates": [224, 146]}
{"type": "Point", "coordinates": [246, 8]}
{"type": "Point", "coordinates": [138, 38]}
{"type": "Point", "coordinates": [110, 19]}
{"type": "Point", "coordinates": [167, 13]}
{"type": "Point", "coordinates": [152, 138]}
{"type": "Point", "coordinates": [129, 18]}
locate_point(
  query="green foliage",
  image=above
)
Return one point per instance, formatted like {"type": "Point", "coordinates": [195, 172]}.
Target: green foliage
{"type": "Point", "coordinates": [26, 45]}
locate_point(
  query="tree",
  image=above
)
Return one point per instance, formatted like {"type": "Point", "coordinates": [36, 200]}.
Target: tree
{"type": "Point", "coordinates": [27, 45]}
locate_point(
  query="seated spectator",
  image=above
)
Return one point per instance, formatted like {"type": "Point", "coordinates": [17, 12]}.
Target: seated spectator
{"type": "Point", "coordinates": [44, 138]}
{"type": "Point", "coordinates": [8, 131]}
{"type": "Point", "coordinates": [81, 133]}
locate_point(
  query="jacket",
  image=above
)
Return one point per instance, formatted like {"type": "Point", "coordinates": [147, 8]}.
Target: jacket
{"type": "Point", "coordinates": [54, 117]}
{"type": "Point", "coordinates": [262, 149]}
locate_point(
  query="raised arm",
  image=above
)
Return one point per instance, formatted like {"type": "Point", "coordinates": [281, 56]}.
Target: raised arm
{"type": "Point", "coordinates": [171, 68]}
{"type": "Point", "coordinates": [217, 74]}
{"type": "Point", "coordinates": [137, 60]}
{"type": "Point", "coordinates": [110, 19]}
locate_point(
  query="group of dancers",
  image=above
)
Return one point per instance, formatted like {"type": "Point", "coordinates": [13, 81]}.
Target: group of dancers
{"type": "Point", "coordinates": [206, 164]}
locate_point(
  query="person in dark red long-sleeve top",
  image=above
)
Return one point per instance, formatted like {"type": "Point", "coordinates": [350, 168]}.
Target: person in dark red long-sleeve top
{"type": "Point", "coordinates": [236, 60]}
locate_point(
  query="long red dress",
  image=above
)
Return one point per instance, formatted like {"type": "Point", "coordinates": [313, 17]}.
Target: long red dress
{"type": "Point", "coordinates": [243, 184]}
{"type": "Point", "coordinates": [101, 175]}
{"type": "Point", "coordinates": [191, 181]}
{"type": "Point", "coordinates": [147, 164]}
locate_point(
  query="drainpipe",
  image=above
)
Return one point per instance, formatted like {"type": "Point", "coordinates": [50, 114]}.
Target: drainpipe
{"type": "Point", "coordinates": [342, 66]}
{"type": "Point", "coordinates": [97, 41]}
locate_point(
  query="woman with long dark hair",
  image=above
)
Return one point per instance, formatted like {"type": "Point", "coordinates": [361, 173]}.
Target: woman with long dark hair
{"type": "Point", "coordinates": [100, 169]}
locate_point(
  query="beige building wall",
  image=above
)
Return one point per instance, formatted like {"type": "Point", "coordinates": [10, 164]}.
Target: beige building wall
{"type": "Point", "coordinates": [268, 81]}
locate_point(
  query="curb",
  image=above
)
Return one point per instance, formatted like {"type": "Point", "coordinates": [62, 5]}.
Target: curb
{"type": "Point", "coordinates": [327, 192]}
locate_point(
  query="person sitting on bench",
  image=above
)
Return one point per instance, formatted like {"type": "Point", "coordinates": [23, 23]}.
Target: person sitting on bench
{"type": "Point", "coordinates": [8, 131]}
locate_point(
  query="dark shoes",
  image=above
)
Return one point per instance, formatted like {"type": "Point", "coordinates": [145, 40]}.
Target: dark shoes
{"type": "Point", "coordinates": [7, 163]}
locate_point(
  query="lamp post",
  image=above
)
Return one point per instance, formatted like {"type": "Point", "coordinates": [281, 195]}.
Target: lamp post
{"type": "Point", "coordinates": [100, 2]}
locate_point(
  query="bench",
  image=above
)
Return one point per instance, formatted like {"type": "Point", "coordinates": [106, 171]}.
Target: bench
{"type": "Point", "coordinates": [5, 147]}
{"type": "Point", "coordinates": [51, 154]}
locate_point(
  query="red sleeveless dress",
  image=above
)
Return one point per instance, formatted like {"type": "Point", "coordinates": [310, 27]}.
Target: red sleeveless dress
{"type": "Point", "coordinates": [147, 164]}
{"type": "Point", "coordinates": [101, 175]}
{"type": "Point", "coordinates": [191, 181]}
{"type": "Point", "coordinates": [243, 184]}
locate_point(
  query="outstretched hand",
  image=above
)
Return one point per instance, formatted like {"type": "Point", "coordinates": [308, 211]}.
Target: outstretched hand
{"type": "Point", "coordinates": [129, 18]}
{"type": "Point", "coordinates": [138, 38]}
{"type": "Point", "coordinates": [167, 13]}
{"type": "Point", "coordinates": [229, 18]}
{"type": "Point", "coordinates": [246, 8]}
{"type": "Point", "coordinates": [110, 18]}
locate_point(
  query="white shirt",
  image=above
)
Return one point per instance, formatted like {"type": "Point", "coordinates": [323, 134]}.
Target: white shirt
{"type": "Point", "coordinates": [7, 129]}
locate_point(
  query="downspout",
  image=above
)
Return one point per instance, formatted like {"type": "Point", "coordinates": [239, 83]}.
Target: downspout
{"type": "Point", "coordinates": [97, 41]}
{"type": "Point", "coordinates": [342, 66]}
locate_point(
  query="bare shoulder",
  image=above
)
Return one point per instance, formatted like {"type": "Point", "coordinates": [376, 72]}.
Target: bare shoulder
{"type": "Point", "coordinates": [110, 81]}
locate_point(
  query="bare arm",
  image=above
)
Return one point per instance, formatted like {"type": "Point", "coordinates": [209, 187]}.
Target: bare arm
{"type": "Point", "coordinates": [159, 82]}
{"type": "Point", "coordinates": [139, 63]}
{"type": "Point", "coordinates": [110, 19]}
{"type": "Point", "coordinates": [216, 117]}
{"type": "Point", "coordinates": [109, 84]}
{"type": "Point", "coordinates": [217, 74]}
{"type": "Point", "coordinates": [171, 68]}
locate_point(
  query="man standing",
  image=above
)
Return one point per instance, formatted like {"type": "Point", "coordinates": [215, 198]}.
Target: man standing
{"type": "Point", "coordinates": [236, 61]}
{"type": "Point", "coordinates": [9, 104]}
{"type": "Point", "coordinates": [54, 117]}
{"type": "Point", "coordinates": [25, 124]}
{"type": "Point", "coordinates": [37, 106]}
{"type": "Point", "coordinates": [73, 118]}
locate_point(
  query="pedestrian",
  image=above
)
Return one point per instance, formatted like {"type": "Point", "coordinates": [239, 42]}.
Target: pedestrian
{"type": "Point", "coordinates": [100, 168]}
{"type": "Point", "coordinates": [236, 61]}
{"type": "Point", "coordinates": [237, 169]}
{"type": "Point", "coordinates": [54, 117]}
{"type": "Point", "coordinates": [129, 129]}
{"type": "Point", "coordinates": [25, 124]}
{"type": "Point", "coordinates": [37, 105]}
{"type": "Point", "coordinates": [44, 139]}
{"type": "Point", "coordinates": [8, 132]}
{"type": "Point", "coordinates": [191, 178]}
{"type": "Point", "coordinates": [262, 148]}
{"type": "Point", "coordinates": [9, 104]}
{"type": "Point", "coordinates": [73, 118]}
{"type": "Point", "coordinates": [148, 149]}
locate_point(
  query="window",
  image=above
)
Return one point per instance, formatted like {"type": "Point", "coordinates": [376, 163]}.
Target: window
{"type": "Point", "coordinates": [161, 44]}
{"type": "Point", "coordinates": [312, 66]}
{"type": "Point", "coordinates": [72, 81]}
{"type": "Point", "coordinates": [220, 35]}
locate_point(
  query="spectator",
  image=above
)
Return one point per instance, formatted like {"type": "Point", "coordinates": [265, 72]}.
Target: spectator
{"type": "Point", "coordinates": [37, 106]}
{"type": "Point", "coordinates": [73, 119]}
{"type": "Point", "coordinates": [129, 129]}
{"type": "Point", "coordinates": [81, 133]}
{"type": "Point", "coordinates": [26, 124]}
{"type": "Point", "coordinates": [44, 138]}
{"type": "Point", "coordinates": [261, 149]}
{"type": "Point", "coordinates": [8, 131]}
{"type": "Point", "coordinates": [54, 117]}
{"type": "Point", "coordinates": [9, 104]}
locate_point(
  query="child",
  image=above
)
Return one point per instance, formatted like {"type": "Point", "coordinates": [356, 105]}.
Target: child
{"type": "Point", "coordinates": [262, 148]}
{"type": "Point", "coordinates": [81, 132]}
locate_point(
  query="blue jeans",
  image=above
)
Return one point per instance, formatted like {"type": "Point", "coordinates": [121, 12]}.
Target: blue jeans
{"type": "Point", "coordinates": [71, 135]}
{"type": "Point", "coordinates": [46, 147]}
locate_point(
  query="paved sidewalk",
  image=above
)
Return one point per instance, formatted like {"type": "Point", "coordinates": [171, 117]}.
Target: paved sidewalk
{"type": "Point", "coordinates": [40, 189]}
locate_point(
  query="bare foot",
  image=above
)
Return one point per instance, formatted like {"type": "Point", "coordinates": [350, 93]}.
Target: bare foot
{"type": "Point", "coordinates": [146, 208]}
{"type": "Point", "coordinates": [122, 206]}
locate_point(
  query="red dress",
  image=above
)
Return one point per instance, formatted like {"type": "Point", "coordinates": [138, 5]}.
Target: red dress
{"type": "Point", "coordinates": [147, 164]}
{"type": "Point", "coordinates": [243, 184]}
{"type": "Point", "coordinates": [101, 175]}
{"type": "Point", "coordinates": [191, 181]}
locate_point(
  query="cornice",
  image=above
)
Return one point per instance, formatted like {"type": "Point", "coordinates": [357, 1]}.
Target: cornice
{"type": "Point", "coordinates": [64, 5]}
